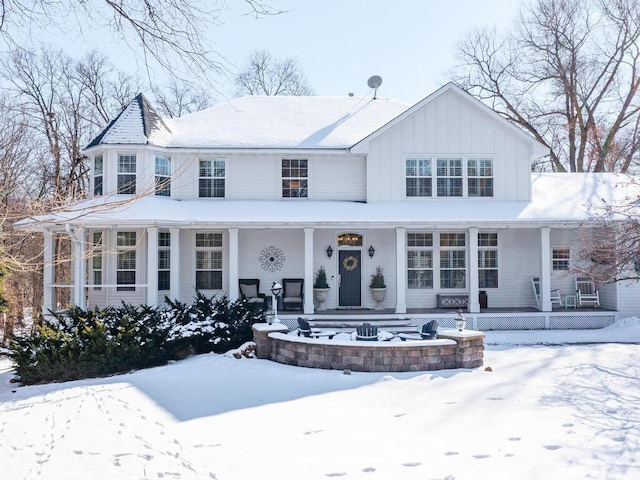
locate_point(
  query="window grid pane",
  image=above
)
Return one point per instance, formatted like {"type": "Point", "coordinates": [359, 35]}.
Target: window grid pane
{"type": "Point", "coordinates": [560, 259]}
{"type": "Point", "coordinates": [294, 178]}
{"type": "Point", "coordinates": [418, 177]}
{"type": "Point", "coordinates": [212, 178]}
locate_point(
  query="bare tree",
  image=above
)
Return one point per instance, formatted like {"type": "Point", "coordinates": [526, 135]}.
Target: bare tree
{"type": "Point", "coordinates": [178, 99]}
{"type": "Point", "coordinates": [168, 33]}
{"type": "Point", "coordinates": [568, 73]}
{"type": "Point", "coordinates": [265, 75]}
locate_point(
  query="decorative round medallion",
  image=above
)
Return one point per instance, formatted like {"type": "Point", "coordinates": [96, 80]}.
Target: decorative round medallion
{"type": "Point", "coordinates": [271, 259]}
{"type": "Point", "coordinates": [350, 263]}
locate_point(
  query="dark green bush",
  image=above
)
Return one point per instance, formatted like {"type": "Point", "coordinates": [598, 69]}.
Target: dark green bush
{"type": "Point", "coordinates": [89, 343]}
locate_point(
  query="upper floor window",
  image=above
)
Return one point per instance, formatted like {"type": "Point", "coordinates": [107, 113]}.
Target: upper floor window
{"type": "Point", "coordinates": [126, 261]}
{"type": "Point", "coordinates": [449, 177]}
{"type": "Point", "coordinates": [97, 174]}
{"type": "Point", "coordinates": [164, 261]}
{"type": "Point", "coordinates": [208, 261]}
{"type": "Point", "coordinates": [488, 260]}
{"type": "Point", "coordinates": [211, 178]}
{"type": "Point", "coordinates": [453, 260]}
{"type": "Point", "coordinates": [418, 182]}
{"type": "Point", "coordinates": [453, 177]}
{"type": "Point", "coordinates": [560, 258]}
{"type": "Point", "coordinates": [163, 176]}
{"type": "Point", "coordinates": [295, 173]}
{"type": "Point", "coordinates": [480, 177]}
{"type": "Point", "coordinates": [420, 260]}
{"type": "Point", "coordinates": [127, 174]}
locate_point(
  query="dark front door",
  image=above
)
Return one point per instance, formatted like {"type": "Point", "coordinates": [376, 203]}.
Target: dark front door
{"type": "Point", "coordinates": [350, 279]}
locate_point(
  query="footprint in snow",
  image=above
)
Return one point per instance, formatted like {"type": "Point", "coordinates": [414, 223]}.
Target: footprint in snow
{"type": "Point", "coordinates": [340, 474]}
{"type": "Point", "coordinates": [481, 456]}
{"type": "Point", "coordinates": [514, 439]}
{"type": "Point", "coordinates": [368, 470]}
{"type": "Point", "coordinates": [451, 453]}
{"type": "Point", "coordinates": [411, 464]}
{"type": "Point", "coordinates": [552, 447]}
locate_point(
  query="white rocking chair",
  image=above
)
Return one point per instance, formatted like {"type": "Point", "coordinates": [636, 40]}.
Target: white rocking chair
{"type": "Point", "coordinates": [586, 292]}
{"type": "Point", "coordinates": [556, 299]}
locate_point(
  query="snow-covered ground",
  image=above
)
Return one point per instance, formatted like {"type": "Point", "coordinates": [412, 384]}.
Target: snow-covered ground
{"type": "Point", "coordinates": [545, 410]}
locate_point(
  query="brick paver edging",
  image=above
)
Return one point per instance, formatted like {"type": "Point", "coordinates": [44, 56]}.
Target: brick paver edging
{"type": "Point", "coordinates": [452, 349]}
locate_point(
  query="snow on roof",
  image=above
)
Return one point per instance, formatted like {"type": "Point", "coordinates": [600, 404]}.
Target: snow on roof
{"type": "Point", "coordinates": [557, 198]}
{"type": "Point", "coordinates": [256, 122]}
{"type": "Point", "coordinates": [137, 124]}
{"type": "Point", "coordinates": [284, 122]}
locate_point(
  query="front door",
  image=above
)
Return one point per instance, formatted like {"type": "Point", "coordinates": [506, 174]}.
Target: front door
{"type": "Point", "coordinates": [350, 279]}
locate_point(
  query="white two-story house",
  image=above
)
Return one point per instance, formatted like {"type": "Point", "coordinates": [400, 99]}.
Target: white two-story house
{"type": "Point", "coordinates": [440, 195]}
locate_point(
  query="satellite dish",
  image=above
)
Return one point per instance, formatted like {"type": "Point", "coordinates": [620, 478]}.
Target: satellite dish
{"type": "Point", "coordinates": [374, 82]}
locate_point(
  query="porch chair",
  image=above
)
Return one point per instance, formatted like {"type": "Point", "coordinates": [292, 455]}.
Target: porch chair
{"type": "Point", "coordinates": [556, 299]}
{"type": "Point", "coordinates": [429, 330]}
{"type": "Point", "coordinates": [292, 293]}
{"type": "Point", "coordinates": [586, 292]}
{"type": "Point", "coordinates": [305, 330]}
{"type": "Point", "coordinates": [366, 332]}
{"type": "Point", "coordinates": [250, 291]}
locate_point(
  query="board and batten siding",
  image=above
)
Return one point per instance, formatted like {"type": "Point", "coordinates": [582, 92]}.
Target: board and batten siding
{"type": "Point", "coordinates": [449, 125]}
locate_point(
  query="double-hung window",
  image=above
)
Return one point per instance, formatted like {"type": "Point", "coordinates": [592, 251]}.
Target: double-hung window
{"type": "Point", "coordinates": [488, 260]}
{"type": "Point", "coordinates": [420, 260]}
{"type": "Point", "coordinates": [126, 261]}
{"type": "Point", "coordinates": [480, 177]}
{"type": "Point", "coordinates": [427, 176]}
{"type": "Point", "coordinates": [295, 174]}
{"type": "Point", "coordinates": [449, 177]}
{"type": "Point", "coordinates": [164, 261]}
{"type": "Point", "coordinates": [96, 260]}
{"type": "Point", "coordinates": [163, 176]}
{"type": "Point", "coordinates": [208, 261]}
{"type": "Point", "coordinates": [98, 169]}
{"type": "Point", "coordinates": [560, 258]}
{"type": "Point", "coordinates": [127, 174]}
{"type": "Point", "coordinates": [211, 178]}
{"type": "Point", "coordinates": [453, 263]}
{"type": "Point", "coordinates": [418, 177]}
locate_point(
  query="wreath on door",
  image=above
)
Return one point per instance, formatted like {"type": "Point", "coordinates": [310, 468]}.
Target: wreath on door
{"type": "Point", "coordinates": [350, 263]}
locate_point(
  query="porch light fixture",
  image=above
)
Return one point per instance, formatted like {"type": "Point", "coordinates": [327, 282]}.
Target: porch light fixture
{"type": "Point", "coordinates": [329, 251]}
{"type": "Point", "coordinates": [276, 290]}
{"type": "Point", "coordinates": [461, 321]}
{"type": "Point", "coordinates": [372, 251]}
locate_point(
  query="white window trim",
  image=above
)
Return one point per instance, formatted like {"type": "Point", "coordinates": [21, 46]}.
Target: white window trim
{"type": "Point", "coordinates": [568, 260]}
{"type": "Point", "coordinates": [198, 177]}
{"type": "Point", "coordinates": [421, 249]}
{"type": "Point", "coordinates": [165, 177]}
{"type": "Point", "coordinates": [164, 248]}
{"type": "Point", "coordinates": [135, 173]}
{"type": "Point", "coordinates": [122, 248]}
{"type": "Point", "coordinates": [208, 249]}
{"type": "Point", "coordinates": [464, 249]}
{"type": "Point", "coordinates": [434, 175]}
{"type": "Point", "coordinates": [281, 178]}
{"type": "Point", "coordinates": [97, 252]}
{"type": "Point", "coordinates": [94, 176]}
{"type": "Point", "coordinates": [497, 250]}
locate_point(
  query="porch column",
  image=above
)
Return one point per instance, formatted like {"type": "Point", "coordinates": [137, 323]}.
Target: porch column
{"type": "Point", "coordinates": [545, 269]}
{"type": "Point", "coordinates": [401, 271]}
{"type": "Point", "coordinates": [79, 267]}
{"type": "Point", "coordinates": [48, 273]}
{"type": "Point", "coordinates": [174, 259]}
{"type": "Point", "coordinates": [152, 266]}
{"type": "Point", "coordinates": [474, 300]}
{"type": "Point", "coordinates": [308, 271]}
{"type": "Point", "coordinates": [233, 264]}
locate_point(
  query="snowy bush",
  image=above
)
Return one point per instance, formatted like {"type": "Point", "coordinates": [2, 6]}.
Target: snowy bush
{"type": "Point", "coordinates": [89, 343]}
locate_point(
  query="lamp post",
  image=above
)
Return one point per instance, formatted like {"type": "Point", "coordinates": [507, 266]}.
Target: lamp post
{"type": "Point", "coordinates": [276, 289]}
{"type": "Point", "coordinates": [461, 321]}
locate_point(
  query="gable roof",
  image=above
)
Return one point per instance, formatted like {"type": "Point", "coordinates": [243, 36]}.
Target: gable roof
{"type": "Point", "coordinates": [538, 148]}
{"type": "Point", "coordinates": [137, 124]}
{"type": "Point", "coordinates": [284, 122]}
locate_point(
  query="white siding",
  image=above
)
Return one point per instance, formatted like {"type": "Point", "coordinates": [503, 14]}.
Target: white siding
{"type": "Point", "coordinates": [628, 298]}
{"type": "Point", "coordinates": [448, 125]}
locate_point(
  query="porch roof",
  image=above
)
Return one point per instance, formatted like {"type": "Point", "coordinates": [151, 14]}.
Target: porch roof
{"type": "Point", "coordinates": [557, 199]}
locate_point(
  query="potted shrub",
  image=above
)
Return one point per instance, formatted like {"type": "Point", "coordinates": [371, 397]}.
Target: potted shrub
{"type": "Point", "coordinates": [321, 288]}
{"type": "Point", "coordinates": [378, 288]}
